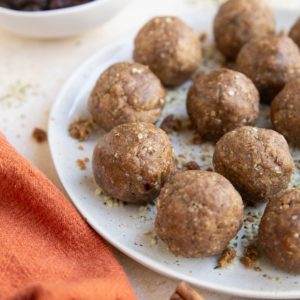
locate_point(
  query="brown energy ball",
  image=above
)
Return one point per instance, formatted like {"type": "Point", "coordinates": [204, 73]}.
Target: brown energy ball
{"type": "Point", "coordinates": [198, 213]}
{"type": "Point", "coordinates": [295, 33]}
{"type": "Point", "coordinates": [126, 93]}
{"type": "Point", "coordinates": [256, 161]}
{"type": "Point", "coordinates": [279, 232]}
{"type": "Point", "coordinates": [133, 161]}
{"type": "Point", "coordinates": [221, 101]}
{"type": "Point", "coordinates": [270, 62]}
{"type": "Point", "coordinates": [170, 48]}
{"type": "Point", "coordinates": [285, 112]}
{"type": "Point", "coordinates": [238, 21]}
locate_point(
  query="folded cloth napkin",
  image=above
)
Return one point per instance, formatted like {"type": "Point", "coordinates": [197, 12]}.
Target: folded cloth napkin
{"type": "Point", "coordinates": [47, 251]}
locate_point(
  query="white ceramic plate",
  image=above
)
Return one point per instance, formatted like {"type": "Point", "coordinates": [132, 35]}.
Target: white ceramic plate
{"type": "Point", "coordinates": [127, 227]}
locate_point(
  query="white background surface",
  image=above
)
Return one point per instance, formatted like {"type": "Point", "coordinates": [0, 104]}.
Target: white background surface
{"type": "Point", "coordinates": [44, 66]}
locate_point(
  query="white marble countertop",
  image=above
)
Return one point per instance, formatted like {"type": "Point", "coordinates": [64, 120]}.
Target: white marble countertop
{"type": "Point", "coordinates": [33, 71]}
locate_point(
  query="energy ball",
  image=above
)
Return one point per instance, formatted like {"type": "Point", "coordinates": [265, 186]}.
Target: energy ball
{"type": "Point", "coordinates": [133, 161]}
{"type": "Point", "coordinates": [170, 48]}
{"type": "Point", "coordinates": [221, 101]}
{"type": "Point", "coordinates": [279, 231]}
{"type": "Point", "coordinates": [257, 162]}
{"type": "Point", "coordinates": [126, 93]}
{"type": "Point", "coordinates": [285, 112]}
{"type": "Point", "coordinates": [238, 21]}
{"type": "Point", "coordinates": [270, 62]}
{"type": "Point", "coordinates": [295, 33]}
{"type": "Point", "coordinates": [198, 213]}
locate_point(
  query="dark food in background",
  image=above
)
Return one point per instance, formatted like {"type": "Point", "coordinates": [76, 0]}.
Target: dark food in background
{"type": "Point", "coordinates": [37, 5]}
{"type": "Point", "coordinates": [31, 5]}
{"type": "Point", "coordinates": [3, 3]}
{"type": "Point", "coordinates": [54, 4]}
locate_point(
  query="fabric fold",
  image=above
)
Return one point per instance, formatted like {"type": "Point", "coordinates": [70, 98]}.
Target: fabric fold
{"type": "Point", "coordinates": [47, 251]}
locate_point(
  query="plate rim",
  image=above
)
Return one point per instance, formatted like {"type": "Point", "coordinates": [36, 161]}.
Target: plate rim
{"type": "Point", "coordinates": [132, 253]}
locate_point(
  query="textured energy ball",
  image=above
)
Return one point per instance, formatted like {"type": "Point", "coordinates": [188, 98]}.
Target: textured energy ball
{"type": "Point", "coordinates": [270, 62]}
{"type": "Point", "coordinates": [126, 93]}
{"type": "Point", "coordinates": [295, 33]}
{"type": "Point", "coordinates": [133, 161]}
{"type": "Point", "coordinates": [238, 21]}
{"type": "Point", "coordinates": [285, 112]}
{"type": "Point", "coordinates": [221, 101]}
{"type": "Point", "coordinates": [256, 161]}
{"type": "Point", "coordinates": [198, 213]}
{"type": "Point", "coordinates": [279, 232]}
{"type": "Point", "coordinates": [170, 48]}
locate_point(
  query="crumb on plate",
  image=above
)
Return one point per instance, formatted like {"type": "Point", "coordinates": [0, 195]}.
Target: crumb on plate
{"type": "Point", "coordinates": [192, 165]}
{"type": "Point", "coordinates": [39, 135]}
{"type": "Point", "coordinates": [170, 124]}
{"type": "Point", "coordinates": [81, 129]}
{"type": "Point", "coordinates": [250, 256]}
{"type": "Point", "coordinates": [81, 163]}
{"type": "Point", "coordinates": [226, 258]}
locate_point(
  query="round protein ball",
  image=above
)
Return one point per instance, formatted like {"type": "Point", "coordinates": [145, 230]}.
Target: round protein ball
{"type": "Point", "coordinates": [133, 161]}
{"type": "Point", "coordinates": [170, 48]}
{"type": "Point", "coordinates": [295, 33]}
{"type": "Point", "coordinates": [256, 161]}
{"type": "Point", "coordinates": [279, 231]}
{"type": "Point", "coordinates": [285, 112]}
{"type": "Point", "coordinates": [270, 62]}
{"type": "Point", "coordinates": [198, 213]}
{"type": "Point", "coordinates": [221, 101]}
{"type": "Point", "coordinates": [238, 21]}
{"type": "Point", "coordinates": [126, 93]}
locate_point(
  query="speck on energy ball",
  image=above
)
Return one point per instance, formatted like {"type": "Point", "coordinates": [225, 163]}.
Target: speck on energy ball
{"type": "Point", "coordinates": [198, 213]}
{"type": "Point", "coordinates": [133, 161]}
{"type": "Point", "coordinates": [170, 48]}
{"type": "Point", "coordinates": [285, 112]}
{"type": "Point", "coordinates": [270, 62]}
{"type": "Point", "coordinates": [238, 21]}
{"type": "Point", "coordinates": [279, 232]}
{"type": "Point", "coordinates": [256, 161]}
{"type": "Point", "coordinates": [126, 93]}
{"type": "Point", "coordinates": [221, 101]}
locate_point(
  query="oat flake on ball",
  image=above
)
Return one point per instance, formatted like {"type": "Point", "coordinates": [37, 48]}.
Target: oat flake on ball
{"type": "Point", "coordinates": [170, 48]}
{"type": "Point", "coordinates": [198, 213]}
{"type": "Point", "coordinates": [221, 101]}
{"type": "Point", "coordinates": [133, 161]}
{"type": "Point", "coordinates": [270, 62]}
{"type": "Point", "coordinates": [279, 231]}
{"type": "Point", "coordinates": [126, 93]}
{"type": "Point", "coordinates": [257, 162]}
{"type": "Point", "coordinates": [238, 21]}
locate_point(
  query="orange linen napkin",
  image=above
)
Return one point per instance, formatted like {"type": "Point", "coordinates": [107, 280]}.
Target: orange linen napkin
{"type": "Point", "coordinates": [47, 251]}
